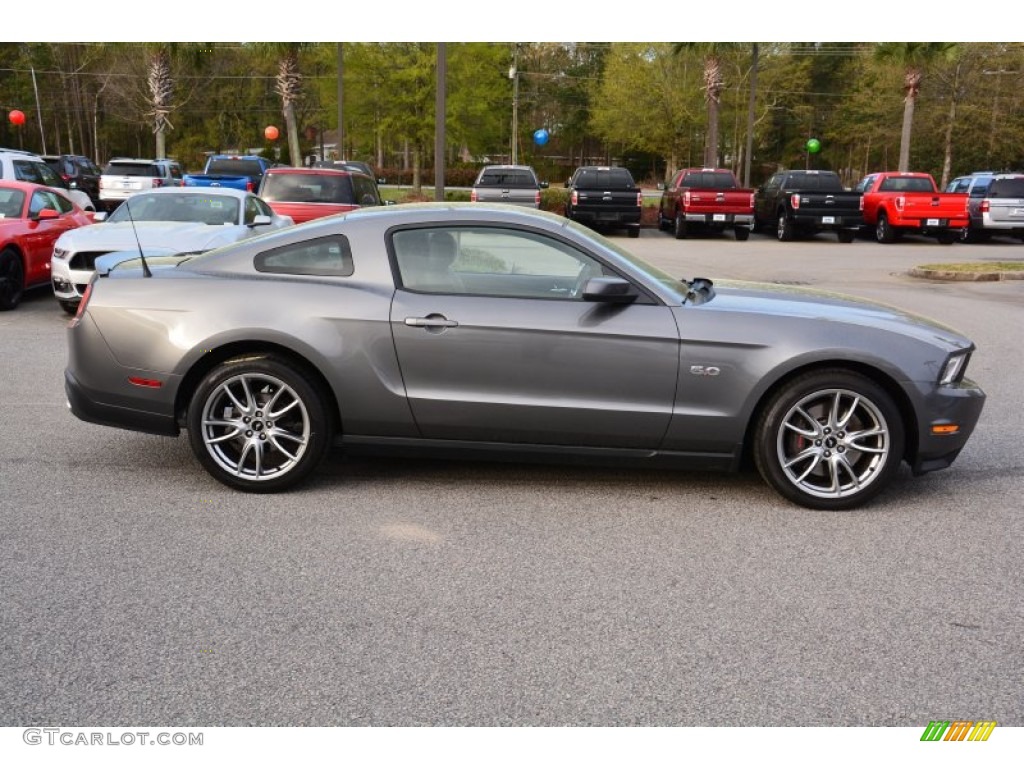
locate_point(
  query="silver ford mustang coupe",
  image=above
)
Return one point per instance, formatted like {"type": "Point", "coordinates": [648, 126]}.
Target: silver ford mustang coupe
{"type": "Point", "coordinates": [472, 330]}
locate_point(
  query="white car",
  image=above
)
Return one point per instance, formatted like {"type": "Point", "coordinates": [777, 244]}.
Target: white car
{"type": "Point", "coordinates": [18, 165]}
{"type": "Point", "coordinates": [178, 219]}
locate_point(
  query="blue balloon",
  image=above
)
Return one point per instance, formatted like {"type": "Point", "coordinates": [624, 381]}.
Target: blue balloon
{"type": "Point", "coordinates": [540, 137]}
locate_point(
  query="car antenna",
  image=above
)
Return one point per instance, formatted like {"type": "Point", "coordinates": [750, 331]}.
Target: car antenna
{"type": "Point", "coordinates": [142, 256]}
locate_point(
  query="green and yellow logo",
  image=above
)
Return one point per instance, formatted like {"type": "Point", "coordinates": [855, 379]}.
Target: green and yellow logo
{"type": "Point", "coordinates": [958, 730]}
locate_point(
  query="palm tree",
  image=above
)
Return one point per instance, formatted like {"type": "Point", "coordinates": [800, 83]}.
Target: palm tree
{"type": "Point", "coordinates": [713, 83]}
{"type": "Point", "coordinates": [289, 87]}
{"type": "Point", "coordinates": [160, 85]}
{"type": "Point", "coordinates": [913, 57]}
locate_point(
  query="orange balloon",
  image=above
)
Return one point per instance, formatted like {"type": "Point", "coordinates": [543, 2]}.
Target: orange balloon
{"type": "Point", "coordinates": [16, 116]}
{"type": "Point", "coordinates": [271, 132]}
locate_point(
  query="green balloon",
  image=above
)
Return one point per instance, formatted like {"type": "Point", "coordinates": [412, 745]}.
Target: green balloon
{"type": "Point", "coordinates": [813, 145]}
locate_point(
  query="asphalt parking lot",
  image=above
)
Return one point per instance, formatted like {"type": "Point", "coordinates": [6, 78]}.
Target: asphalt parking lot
{"type": "Point", "coordinates": [137, 590]}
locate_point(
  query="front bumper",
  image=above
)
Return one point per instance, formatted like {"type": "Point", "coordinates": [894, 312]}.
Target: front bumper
{"type": "Point", "coordinates": [959, 404]}
{"type": "Point", "coordinates": [68, 284]}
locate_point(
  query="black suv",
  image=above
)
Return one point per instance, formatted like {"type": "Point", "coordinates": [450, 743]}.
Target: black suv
{"type": "Point", "coordinates": [78, 172]}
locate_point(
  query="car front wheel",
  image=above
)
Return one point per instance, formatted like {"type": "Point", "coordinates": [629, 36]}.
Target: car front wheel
{"type": "Point", "coordinates": [257, 424]}
{"type": "Point", "coordinates": [12, 279]}
{"type": "Point", "coordinates": [830, 439]}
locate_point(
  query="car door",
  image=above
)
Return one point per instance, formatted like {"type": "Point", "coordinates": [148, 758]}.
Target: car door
{"type": "Point", "coordinates": [496, 344]}
{"type": "Point", "coordinates": [43, 233]}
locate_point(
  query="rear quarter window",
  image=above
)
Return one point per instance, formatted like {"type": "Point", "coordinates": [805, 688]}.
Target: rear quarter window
{"type": "Point", "coordinates": [325, 256]}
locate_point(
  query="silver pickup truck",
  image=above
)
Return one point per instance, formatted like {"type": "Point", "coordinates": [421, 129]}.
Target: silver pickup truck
{"type": "Point", "coordinates": [515, 184]}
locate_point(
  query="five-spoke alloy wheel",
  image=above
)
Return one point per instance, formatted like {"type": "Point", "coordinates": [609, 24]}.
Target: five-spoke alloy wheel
{"type": "Point", "coordinates": [258, 424]}
{"type": "Point", "coordinates": [829, 439]}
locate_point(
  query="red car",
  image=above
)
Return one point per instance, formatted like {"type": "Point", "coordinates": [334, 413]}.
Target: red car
{"type": "Point", "coordinates": [32, 217]}
{"type": "Point", "coordinates": [312, 193]}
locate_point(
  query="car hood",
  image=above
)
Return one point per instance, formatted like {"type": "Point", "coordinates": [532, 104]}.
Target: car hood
{"type": "Point", "coordinates": [181, 236]}
{"type": "Point", "coordinates": [826, 306]}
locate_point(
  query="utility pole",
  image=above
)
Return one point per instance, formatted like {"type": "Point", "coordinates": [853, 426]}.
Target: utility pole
{"type": "Point", "coordinates": [39, 110]}
{"type": "Point", "coordinates": [341, 107]}
{"type": "Point", "coordinates": [439, 114]}
{"type": "Point", "coordinates": [513, 74]}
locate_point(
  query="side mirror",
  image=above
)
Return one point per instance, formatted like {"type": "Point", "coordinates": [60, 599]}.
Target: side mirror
{"type": "Point", "coordinates": [661, 185]}
{"type": "Point", "coordinates": [47, 214]}
{"type": "Point", "coordinates": [609, 290]}
{"type": "Point", "coordinates": [260, 221]}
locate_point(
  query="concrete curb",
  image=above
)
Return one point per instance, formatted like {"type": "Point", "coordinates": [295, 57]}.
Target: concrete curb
{"type": "Point", "coordinates": [972, 277]}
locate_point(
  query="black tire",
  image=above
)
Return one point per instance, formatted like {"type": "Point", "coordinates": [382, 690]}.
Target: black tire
{"type": "Point", "coordinates": [884, 233]}
{"type": "Point", "coordinates": [633, 231]}
{"type": "Point", "coordinates": [71, 307]}
{"type": "Point", "coordinates": [968, 235]}
{"type": "Point", "coordinates": [742, 233]}
{"type": "Point", "coordinates": [829, 462]}
{"type": "Point", "coordinates": [948, 238]}
{"type": "Point", "coordinates": [12, 279]}
{"type": "Point", "coordinates": [845, 235]}
{"type": "Point", "coordinates": [679, 227]}
{"type": "Point", "coordinates": [784, 229]}
{"type": "Point", "coordinates": [245, 445]}
{"type": "Point", "coordinates": [663, 223]}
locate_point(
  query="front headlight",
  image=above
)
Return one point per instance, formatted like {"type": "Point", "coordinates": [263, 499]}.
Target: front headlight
{"type": "Point", "coordinates": [61, 253]}
{"type": "Point", "coordinates": [954, 368]}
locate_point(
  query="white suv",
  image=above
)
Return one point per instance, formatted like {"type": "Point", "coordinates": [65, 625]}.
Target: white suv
{"type": "Point", "coordinates": [124, 176]}
{"type": "Point", "coordinates": [18, 165]}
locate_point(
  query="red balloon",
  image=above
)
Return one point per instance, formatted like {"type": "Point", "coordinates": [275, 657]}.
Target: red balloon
{"type": "Point", "coordinates": [270, 132]}
{"type": "Point", "coordinates": [16, 116]}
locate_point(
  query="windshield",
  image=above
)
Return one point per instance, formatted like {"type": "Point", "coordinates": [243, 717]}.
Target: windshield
{"type": "Point", "coordinates": [203, 208]}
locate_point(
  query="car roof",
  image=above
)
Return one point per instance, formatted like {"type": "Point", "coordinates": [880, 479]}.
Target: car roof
{"type": "Point", "coordinates": [207, 191]}
{"type": "Point", "coordinates": [25, 186]}
{"type": "Point", "coordinates": [312, 171]}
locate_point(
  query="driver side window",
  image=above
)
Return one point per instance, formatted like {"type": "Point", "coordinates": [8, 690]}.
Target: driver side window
{"type": "Point", "coordinates": [492, 261]}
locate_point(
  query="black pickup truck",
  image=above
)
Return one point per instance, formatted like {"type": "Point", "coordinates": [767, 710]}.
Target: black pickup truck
{"type": "Point", "coordinates": [604, 197]}
{"type": "Point", "coordinates": [799, 203]}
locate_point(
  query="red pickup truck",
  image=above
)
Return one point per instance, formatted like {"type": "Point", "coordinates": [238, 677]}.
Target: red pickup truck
{"type": "Point", "coordinates": [895, 203]}
{"type": "Point", "coordinates": [706, 199]}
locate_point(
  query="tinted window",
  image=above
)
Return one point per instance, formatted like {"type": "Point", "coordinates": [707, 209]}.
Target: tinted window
{"type": "Point", "coordinates": [234, 167]}
{"type": "Point", "coordinates": [705, 180]}
{"type": "Point", "coordinates": [603, 178]}
{"type": "Point", "coordinates": [980, 188]}
{"type": "Point", "coordinates": [365, 191]}
{"type": "Point", "coordinates": [1007, 188]}
{"type": "Point", "coordinates": [42, 199]}
{"type": "Point", "coordinates": [506, 178]}
{"type": "Point", "coordinates": [327, 256]}
{"type": "Point", "coordinates": [26, 171]}
{"type": "Point", "coordinates": [307, 188]}
{"type": "Point", "coordinates": [906, 184]}
{"type": "Point", "coordinates": [11, 203]}
{"type": "Point", "coordinates": [132, 169]}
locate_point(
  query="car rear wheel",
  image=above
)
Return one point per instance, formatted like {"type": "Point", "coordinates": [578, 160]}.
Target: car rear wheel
{"type": "Point", "coordinates": [845, 235]}
{"type": "Point", "coordinates": [884, 232]}
{"type": "Point", "coordinates": [829, 439]}
{"type": "Point", "coordinates": [742, 233]}
{"type": "Point", "coordinates": [12, 279]}
{"type": "Point", "coordinates": [258, 424]}
{"type": "Point", "coordinates": [633, 231]}
{"type": "Point", "coordinates": [679, 228]}
{"type": "Point", "coordinates": [784, 230]}
{"type": "Point", "coordinates": [948, 238]}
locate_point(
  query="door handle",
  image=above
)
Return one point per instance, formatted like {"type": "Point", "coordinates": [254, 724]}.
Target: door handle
{"type": "Point", "coordinates": [431, 321]}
